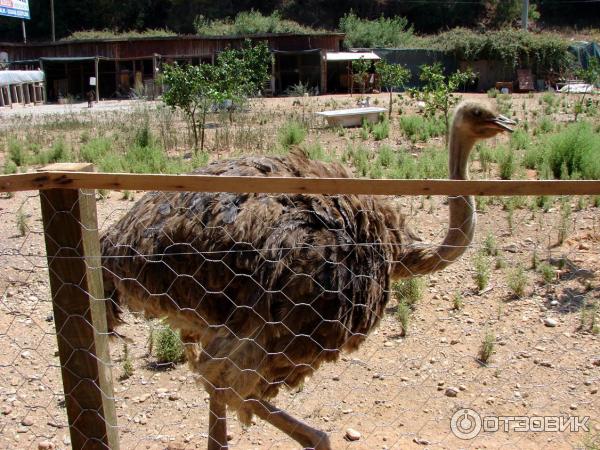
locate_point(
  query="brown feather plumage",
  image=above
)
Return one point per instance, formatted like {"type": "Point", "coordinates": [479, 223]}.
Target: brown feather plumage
{"type": "Point", "coordinates": [270, 286]}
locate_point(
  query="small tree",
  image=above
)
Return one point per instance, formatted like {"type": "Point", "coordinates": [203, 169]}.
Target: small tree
{"type": "Point", "coordinates": [193, 90]}
{"type": "Point", "coordinates": [237, 74]}
{"type": "Point", "coordinates": [438, 93]}
{"type": "Point", "coordinates": [360, 72]}
{"type": "Point", "coordinates": [391, 76]}
{"type": "Point", "coordinates": [591, 75]}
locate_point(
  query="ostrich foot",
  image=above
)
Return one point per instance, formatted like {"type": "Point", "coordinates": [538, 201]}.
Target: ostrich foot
{"type": "Point", "coordinates": [307, 436]}
{"type": "Point", "coordinates": [217, 424]}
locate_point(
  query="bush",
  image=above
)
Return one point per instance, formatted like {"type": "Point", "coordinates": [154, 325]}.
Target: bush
{"type": "Point", "coordinates": [517, 281]}
{"type": "Point", "coordinates": [382, 32]}
{"type": "Point", "coordinates": [381, 130]}
{"type": "Point", "coordinates": [487, 347]}
{"type": "Point", "coordinates": [507, 163]}
{"type": "Point", "coordinates": [512, 46]}
{"type": "Point", "coordinates": [10, 167]}
{"type": "Point", "coordinates": [577, 148]}
{"type": "Point", "coordinates": [482, 271]}
{"type": "Point", "coordinates": [291, 133]}
{"type": "Point", "coordinates": [16, 152]}
{"type": "Point", "coordinates": [409, 291]}
{"type": "Point", "coordinates": [249, 22]}
{"type": "Point", "coordinates": [95, 150]}
{"type": "Point", "coordinates": [421, 129]}
{"type": "Point", "coordinates": [167, 345]}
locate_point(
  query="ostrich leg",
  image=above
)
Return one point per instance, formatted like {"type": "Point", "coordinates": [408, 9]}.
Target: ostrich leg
{"type": "Point", "coordinates": [217, 424]}
{"type": "Point", "coordinates": [307, 436]}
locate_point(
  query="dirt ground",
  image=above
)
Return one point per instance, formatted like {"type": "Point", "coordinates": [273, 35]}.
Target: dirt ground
{"type": "Point", "coordinates": [397, 392]}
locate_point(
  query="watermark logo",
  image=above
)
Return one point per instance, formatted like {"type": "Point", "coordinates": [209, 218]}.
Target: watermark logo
{"type": "Point", "coordinates": [467, 424]}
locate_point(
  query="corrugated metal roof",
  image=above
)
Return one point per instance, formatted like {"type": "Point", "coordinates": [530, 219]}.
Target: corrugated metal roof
{"type": "Point", "coordinates": [350, 56]}
{"type": "Point", "coordinates": [8, 77]}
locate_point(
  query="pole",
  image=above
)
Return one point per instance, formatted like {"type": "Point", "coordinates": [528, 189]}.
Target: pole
{"type": "Point", "coordinates": [24, 32]}
{"type": "Point", "coordinates": [52, 20]}
{"type": "Point", "coordinates": [96, 74]}
{"type": "Point", "coordinates": [525, 15]}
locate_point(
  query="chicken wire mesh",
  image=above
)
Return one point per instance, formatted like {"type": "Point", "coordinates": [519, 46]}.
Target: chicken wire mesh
{"type": "Point", "coordinates": [509, 330]}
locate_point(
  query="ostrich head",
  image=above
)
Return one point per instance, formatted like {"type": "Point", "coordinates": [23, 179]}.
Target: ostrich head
{"type": "Point", "coordinates": [479, 121]}
{"type": "Point", "coordinates": [472, 122]}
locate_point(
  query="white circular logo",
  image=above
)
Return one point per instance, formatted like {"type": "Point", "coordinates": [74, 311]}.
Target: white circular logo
{"type": "Point", "coordinates": [465, 424]}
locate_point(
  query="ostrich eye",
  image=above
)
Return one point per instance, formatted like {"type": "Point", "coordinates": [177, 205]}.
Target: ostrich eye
{"type": "Point", "coordinates": [477, 112]}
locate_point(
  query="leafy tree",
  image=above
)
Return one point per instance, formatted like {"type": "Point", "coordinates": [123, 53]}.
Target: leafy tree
{"type": "Point", "coordinates": [238, 73]}
{"type": "Point", "coordinates": [438, 92]}
{"type": "Point", "coordinates": [391, 76]}
{"type": "Point", "coordinates": [193, 90]}
{"type": "Point", "coordinates": [360, 72]}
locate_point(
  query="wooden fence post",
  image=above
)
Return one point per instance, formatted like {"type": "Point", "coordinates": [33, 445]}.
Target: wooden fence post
{"type": "Point", "coordinates": [73, 251]}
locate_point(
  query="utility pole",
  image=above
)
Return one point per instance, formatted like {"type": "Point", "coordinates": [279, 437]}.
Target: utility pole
{"type": "Point", "coordinates": [52, 20]}
{"type": "Point", "coordinates": [525, 15]}
{"type": "Point", "coordinates": [24, 32]}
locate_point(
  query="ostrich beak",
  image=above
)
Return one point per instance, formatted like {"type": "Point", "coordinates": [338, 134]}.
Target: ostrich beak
{"type": "Point", "coordinates": [503, 123]}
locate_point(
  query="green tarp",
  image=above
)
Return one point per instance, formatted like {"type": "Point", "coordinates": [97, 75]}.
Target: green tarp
{"type": "Point", "coordinates": [584, 51]}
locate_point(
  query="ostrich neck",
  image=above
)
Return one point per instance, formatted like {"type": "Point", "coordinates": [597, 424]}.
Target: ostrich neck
{"type": "Point", "coordinates": [425, 259]}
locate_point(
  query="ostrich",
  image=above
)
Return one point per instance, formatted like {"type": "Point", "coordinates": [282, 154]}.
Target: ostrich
{"type": "Point", "coordinates": [266, 288]}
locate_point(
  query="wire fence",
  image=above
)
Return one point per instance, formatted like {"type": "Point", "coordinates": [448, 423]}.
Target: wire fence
{"type": "Point", "coordinates": [273, 296]}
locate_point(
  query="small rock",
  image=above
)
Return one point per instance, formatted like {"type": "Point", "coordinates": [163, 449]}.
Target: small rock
{"type": "Point", "coordinates": [451, 392]}
{"type": "Point", "coordinates": [421, 441]}
{"type": "Point", "coordinates": [596, 362]}
{"type": "Point", "coordinates": [174, 396]}
{"type": "Point", "coordinates": [27, 422]}
{"type": "Point", "coordinates": [6, 410]}
{"type": "Point", "coordinates": [45, 445]}
{"type": "Point", "coordinates": [573, 407]}
{"type": "Point", "coordinates": [388, 344]}
{"type": "Point", "coordinates": [554, 303]}
{"type": "Point", "coordinates": [230, 436]}
{"type": "Point", "coordinates": [352, 434]}
{"type": "Point", "coordinates": [550, 322]}
{"type": "Point", "coordinates": [336, 378]}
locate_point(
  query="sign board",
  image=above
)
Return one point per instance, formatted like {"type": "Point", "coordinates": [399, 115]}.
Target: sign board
{"type": "Point", "coordinates": [15, 8]}
{"type": "Point", "coordinates": [92, 81]}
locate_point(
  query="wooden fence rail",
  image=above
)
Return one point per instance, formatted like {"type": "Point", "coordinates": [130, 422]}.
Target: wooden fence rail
{"type": "Point", "coordinates": [206, 183]}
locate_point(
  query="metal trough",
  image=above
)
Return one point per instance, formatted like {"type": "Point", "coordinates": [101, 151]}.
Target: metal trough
{"type": "Point", "coordinates": [352, 117]}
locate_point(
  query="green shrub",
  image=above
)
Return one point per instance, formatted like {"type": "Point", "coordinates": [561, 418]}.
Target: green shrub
{"type": "Point", "coordinates": [94, 150]}
{"type": "Point", "coordinates": [519, 140]}
{"type": "Point", "coordinates": [381, 130]}
{"type": "Point", "coordinates": [16, 152]}
{"type": "Point", "coordinates": [316, 151]}
{"type": "Point", "coordinates": [545, 125]}
{"type": "Point", "coordinates": [10, 167]}
{"type": "Point", "coordinates": [383, 32]}
{"type": "Point", "coordinates": [292, 133]}
{"type": "Point", "coordinates": [490, 248]}
{"type": "Point", "coordinates": [482, 271]}
{"type": "Point", "coordinates": [59, 152]}
{"type": "Point", "coordinates": [487, 347]}
{"type": "Point", "coordinates": [421, 129]}
{"type": "Point", "coordinates": [433, 163]}
{"type": "Point", "coordinates": [517, 281]}
{"type": "Point", "coordinates": [359, 157]}
{"type": "Point", "coordinates": [145, 160]}
{"type": "Point", "coordinates": [167, 345]}
{"type": "Point", "coordinates": [507, 163]}
{"type": "Point", "coordinates": [409, 291]}
{"type": "Point", "coordinates": [578, 148]}
{"type": "Point", "coordinates": [403, 313]}
{"type": "Point", "coordinates": [386, 156]}
{"type": "Point", "coordinates": [249, 22]}
{"type": "Point", "coordinates": [548, 273]}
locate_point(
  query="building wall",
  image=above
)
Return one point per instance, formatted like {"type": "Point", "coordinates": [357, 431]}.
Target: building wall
{"type": "Point", "coordinates": [192, 46]}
